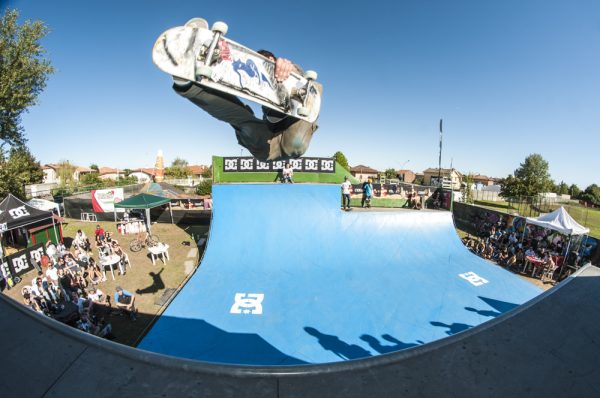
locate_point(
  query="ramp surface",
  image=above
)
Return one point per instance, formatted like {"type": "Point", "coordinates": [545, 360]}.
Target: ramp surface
{"type": "Point", "coordinates": [290, 279]}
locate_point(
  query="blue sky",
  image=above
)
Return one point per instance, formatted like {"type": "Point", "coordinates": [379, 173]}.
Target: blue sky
{"type": "Point", "coordinates": [509, 78]}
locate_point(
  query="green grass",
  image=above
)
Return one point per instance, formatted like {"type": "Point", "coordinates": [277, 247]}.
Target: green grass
{"type": "Point", "coordinates": [587, 217]}
{"type": "Point", "coordinates": [379, 202]}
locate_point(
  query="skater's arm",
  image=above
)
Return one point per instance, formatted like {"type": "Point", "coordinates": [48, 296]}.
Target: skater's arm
{"type": "Point", "coordinates": [283, 69]}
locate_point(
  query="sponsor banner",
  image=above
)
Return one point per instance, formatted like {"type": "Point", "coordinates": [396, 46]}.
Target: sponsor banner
{"type": "Point", "coordinates": [22, 262]}
{"type": "Point", "coordinates": [103, 200]}
{"type": "Point", "coordinates": [249, 164]}
{"type": "Point", "coordinates": [379, 190]}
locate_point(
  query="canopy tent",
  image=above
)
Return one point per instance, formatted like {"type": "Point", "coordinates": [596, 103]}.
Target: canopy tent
{"type": "Point", "coordinates": [15, 213]}
{"type": "Point", "coordinates": [559, 220]}
{"type": "Point", "coordinates": [144, 201]}
{"type": "Point", "coordinates": [167, 191]}
{"type": "Point", "coordinates": [43, 204]}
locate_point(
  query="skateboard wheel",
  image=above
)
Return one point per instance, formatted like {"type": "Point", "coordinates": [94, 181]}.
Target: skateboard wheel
{"type": "Point", "coordinates": [204, 71]}
{"type": "Point", "coordinates": [310, 75]}
{"type": "Point", "coordinates": [199, 23]}
{"type": "Point", "coordinates": [303, 111]}
{"type": "Point", "coordinates": [220, 27]}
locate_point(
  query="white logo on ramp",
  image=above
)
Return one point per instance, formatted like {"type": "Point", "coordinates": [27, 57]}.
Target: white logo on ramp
{"type": "Point", "coordinates": [247, 303]}
{"type": "Point", "coordinates": [473, 278]}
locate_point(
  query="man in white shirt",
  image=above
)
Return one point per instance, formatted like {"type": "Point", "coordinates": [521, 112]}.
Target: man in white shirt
{"type": "Point", "coordinates": [287, 173]}
{"type": "Point", "coordinates": [346, 185]}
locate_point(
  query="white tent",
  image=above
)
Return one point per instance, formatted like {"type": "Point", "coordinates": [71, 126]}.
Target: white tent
{"type": "Point", "coordinates": [46, 205]}
{"type": "Point", "coordinates": [559, 220]}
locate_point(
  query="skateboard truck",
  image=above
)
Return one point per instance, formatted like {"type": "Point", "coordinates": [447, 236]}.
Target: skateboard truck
{"type": "Point", "coordinates": [220, 29]}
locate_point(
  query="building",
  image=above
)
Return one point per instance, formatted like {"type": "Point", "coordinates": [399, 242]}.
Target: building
{"type": "Point", "coordinates": [198, 170]}
{"type": "Point", "coordinates": [451, 178]}
{"type": "Point", "coordinates": [363, 173]}
{"type": "Point", "coordinates": [407, 176]}
{"type": "Point", "coordinates": [51, 172]}
{"type": "Point", "coordinates": [108, 173]}
{"type": "Point", "coordinates": [144, 175]}
{"type": "Point", "coordinates": [481, 181]}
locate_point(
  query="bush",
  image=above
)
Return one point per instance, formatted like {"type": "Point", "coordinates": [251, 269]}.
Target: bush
{"type": "Point", "coordinates": [204, 188]}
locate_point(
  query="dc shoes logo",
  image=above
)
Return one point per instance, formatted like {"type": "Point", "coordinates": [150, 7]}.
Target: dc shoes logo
{"type": "Point", "coordinates": [18, 212]}
{"type": "Point", "coordinates": [247, 303]}
{"type": "Point", "coordinates": [473, 278]}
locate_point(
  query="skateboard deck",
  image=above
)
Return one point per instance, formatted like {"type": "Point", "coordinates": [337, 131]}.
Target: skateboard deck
{"type": "Point", "coordinates": [208, 58]}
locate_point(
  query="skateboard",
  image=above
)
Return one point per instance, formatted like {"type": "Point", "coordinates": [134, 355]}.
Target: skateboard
{"type": "Point", "coordinates": [205, 56]}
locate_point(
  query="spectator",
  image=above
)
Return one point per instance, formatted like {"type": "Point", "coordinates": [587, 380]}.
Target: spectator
{"type": "Point", "coordinates": [126, 302]}
{"type": "Point", "coordinates": [95, 274]}
{"type": "Point", "coordinates": [81, 241]}
{"type": "Point", "coordinates": [287, 174]}
{"type": "Point", "coordinates": [99, 234]}
{"type": "Point", "coordinates": [367, 189]}
{"type": "Point", "coordinates": [116, 249]}
{"type": "Point", "coordinates": [51, 251]}
{"type": "Point", "coordinates": [346, 186]}
{"type": "Point", "coordinates": [98, 297]}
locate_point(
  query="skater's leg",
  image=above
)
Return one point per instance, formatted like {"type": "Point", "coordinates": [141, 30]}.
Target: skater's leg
{"type": "Point", "coordinates": [251, 132]}
{"type": "Point", "coordinates": [295, 137]}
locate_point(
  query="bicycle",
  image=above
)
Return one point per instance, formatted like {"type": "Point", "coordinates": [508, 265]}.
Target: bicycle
{"type": "Point", "coordinates": [143, 239]}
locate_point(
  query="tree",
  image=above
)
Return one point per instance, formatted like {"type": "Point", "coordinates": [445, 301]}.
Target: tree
{"type": "Point", "coordinates": [23, 73]}
{"type": "Point", "coordinates": [207, 173]}
{"type": "Point", "coordinates": [95, 167]}
{"type": "Point", "coordinates": [341, 159]}
{"type": "Point", "coordinates": [179, 169]}
{"type": "Point", "coordinates": [91, 179]}
{"type": "Point", "coordinates": [530, 179]}
{"type": "Point", "coordinates": [468, 188]}
{"type": "Point", "coordinates": [591, 195]}
{"type": "Point", "coordinates": [20, 169]}
{"type": "Point", "coordinates": [179, 162]}
{"type": "Point", "coordinates": [204, 188]}
{"type": "Point", "coordinates": [65, 172]}
{"type": "Point", "coordinates": [390, 173]}
{"type": "Point", "coordinates": [574, 191]}
{"type": "Point", "coordinates": [563, 188]}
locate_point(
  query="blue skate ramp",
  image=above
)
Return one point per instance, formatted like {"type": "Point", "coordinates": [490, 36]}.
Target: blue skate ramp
{"type": "Point", "coordinates": [288, 278]}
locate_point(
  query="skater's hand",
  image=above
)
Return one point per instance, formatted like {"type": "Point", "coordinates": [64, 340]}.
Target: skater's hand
{"type": "Point", "coordinates": [283, 69]}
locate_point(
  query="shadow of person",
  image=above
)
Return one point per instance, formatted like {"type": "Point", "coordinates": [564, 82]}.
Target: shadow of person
{"type": "Point", "coordinates": [157, 284]}
{"type": "Point", "coordinates": [484, 312]}
{"type": "Point", "coordinates": [452, 328]}
{"type": "Point", "coordinates": [384, 349]}
{"type": "Point", "coordinates": [337, 346]}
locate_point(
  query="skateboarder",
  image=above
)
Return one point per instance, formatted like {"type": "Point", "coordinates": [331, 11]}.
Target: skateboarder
{"type": "Point", "coordinates": [273, 137]}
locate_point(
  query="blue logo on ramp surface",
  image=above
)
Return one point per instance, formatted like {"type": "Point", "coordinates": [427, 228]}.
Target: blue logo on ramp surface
{"type": "Point", "coordinates": [247, 303]}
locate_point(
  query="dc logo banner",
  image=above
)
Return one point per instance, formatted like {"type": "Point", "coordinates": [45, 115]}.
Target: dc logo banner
{"type": "Point", "coordinates": [249, 164]}
{"type": "Point", "coordinates": [473, 278]}
{"type": "Point", "coordinates": [20, 264]}
{"type": "Point", "coordinates": [18, 212]}
{"type": "Point", "coordinates": [247, 303]}
{"type": "Point", "coordinates": [36, 253]}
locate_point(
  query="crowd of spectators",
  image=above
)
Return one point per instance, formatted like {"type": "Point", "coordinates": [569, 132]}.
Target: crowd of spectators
{"type": "Point", "coordinates": [67, 285]}
{"type": "Point", "coordinates": [535, 251]}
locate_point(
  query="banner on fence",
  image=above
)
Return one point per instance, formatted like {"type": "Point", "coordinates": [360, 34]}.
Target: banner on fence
{"type": "Point", "coordinates": [22, 262]}
{"type": "Point", "coordinates": [103, 200]}
{"type": "Point", "coordinates": [253, 165]}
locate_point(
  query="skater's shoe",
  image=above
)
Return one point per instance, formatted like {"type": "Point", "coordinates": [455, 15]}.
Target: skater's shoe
{"type": "Point", "coordinates": [198, 23]}
{"type": "Point", "coordinates": [181, 84]}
